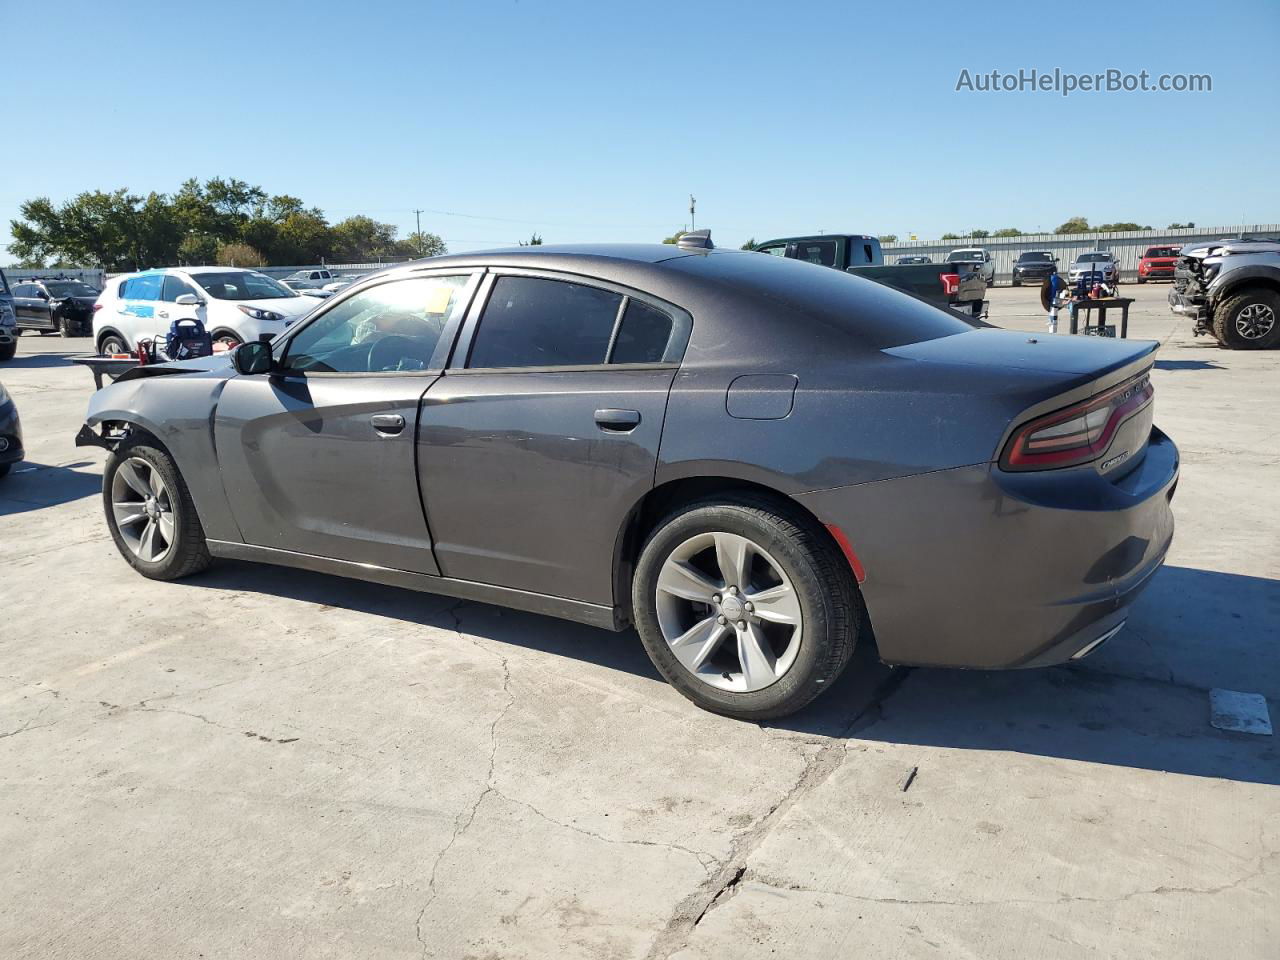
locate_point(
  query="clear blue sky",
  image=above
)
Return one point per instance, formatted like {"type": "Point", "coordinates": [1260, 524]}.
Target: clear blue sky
{"type": "Point", "coordinates": [587, 121]}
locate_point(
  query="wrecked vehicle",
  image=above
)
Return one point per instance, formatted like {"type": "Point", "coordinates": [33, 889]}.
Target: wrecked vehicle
{"type": "Point", "coordinates": [1231, 289]}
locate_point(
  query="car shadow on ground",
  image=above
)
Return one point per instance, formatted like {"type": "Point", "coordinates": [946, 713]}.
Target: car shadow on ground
{"type": "Point", "coordinates": [1188, 365]}
{"type": "Point", "coordinates": [35, 486]}
{"type": "Point", "coordinates": [35, 361]}
{"type": "Point", "coordinates": [1139, 702]}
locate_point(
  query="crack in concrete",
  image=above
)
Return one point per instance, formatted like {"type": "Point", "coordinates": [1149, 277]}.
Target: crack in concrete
{"type": "Point", "coordinates": [752, 876]}
{"type": "Point", "coordinates": [462, 822]}
{"type": "Point", "coordinates": [721, 887]}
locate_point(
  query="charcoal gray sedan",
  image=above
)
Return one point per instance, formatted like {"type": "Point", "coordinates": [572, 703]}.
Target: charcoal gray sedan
{"type": "Point", "coordinates": [757, 462]}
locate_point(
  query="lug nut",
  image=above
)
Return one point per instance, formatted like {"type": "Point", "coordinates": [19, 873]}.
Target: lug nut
{"type": "Point", "coordinates": [720, 619]}
{"type": "Point", "coordinates": [733, 589]}
{"type": "Point", "coordinates": [750, 606]}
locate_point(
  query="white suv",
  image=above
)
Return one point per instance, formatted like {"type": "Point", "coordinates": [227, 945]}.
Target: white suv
{"type": "Point", "coordinates": [234, 305]}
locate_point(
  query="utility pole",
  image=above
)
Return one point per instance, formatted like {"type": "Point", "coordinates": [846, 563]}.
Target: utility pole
{"type": "Point", "coordinates": [417, 217]}
{"type": "Point", "coordinates": [693, 220]}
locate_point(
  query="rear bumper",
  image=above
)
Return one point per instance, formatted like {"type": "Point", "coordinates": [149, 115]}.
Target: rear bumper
{"type": "Point", "coordinates": [974, 567]}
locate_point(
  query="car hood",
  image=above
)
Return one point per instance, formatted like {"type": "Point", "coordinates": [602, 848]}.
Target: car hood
{"type": "Point", "coordinates": [218, 366]}
{"type": "Point", "coordinates": [1086, 267]}
{"type": "Point", "coordinates": [287, 306]}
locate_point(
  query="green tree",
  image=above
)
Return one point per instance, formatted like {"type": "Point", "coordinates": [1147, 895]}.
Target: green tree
{"type": "Point", "coordinates": [534, 241]}
{"type": "Point", "coordinates": [1074, 225]}
{"type": "Point", "coordinates": [360, 239]}
{"type": "Point", "coordinates": [1123, 225]}
{"type": "Point", "coordinates": [979, 234]}
{"type": "Point", "coordinates": [675, 237]}
{"type": "Point", "coordinates": [117, 230]}
{"type": "Point", "coordinates": [1181, 226]}
{"type": "Point", "coordinates": [952, 236]}
{"type": "Point", "coordinates": [749, 245]}
{"type": "Point", "coordinates": [425, 244]}
{"type": "Point", "coordinates": [1007, 232]}
{"type": "Point", "coordinates": [888, 238]}
{"type": "Point", "coordinates": [240, 255]}
{"type": "Point", "coordinates": [197, 249]}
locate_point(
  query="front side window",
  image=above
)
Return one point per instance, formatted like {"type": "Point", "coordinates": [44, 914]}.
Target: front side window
{"type": "Point", "coordinates": [391, 327]}
{"type": "Point", "coordinates": [533, 322]}
{"type": "Point", "coordinates": [26, 290]}
{"type": "Point", "coordinates": [174, 287]}
{"type": "Point", "coordinates": [242, 285]}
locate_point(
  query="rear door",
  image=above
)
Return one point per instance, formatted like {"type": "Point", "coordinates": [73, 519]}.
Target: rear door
{"type": "Point", "coordinates": [544, 431]}
{"type": "Point", "coordinates": [319, 457]}
{"type": "Point", "coordinates": [25, 306]}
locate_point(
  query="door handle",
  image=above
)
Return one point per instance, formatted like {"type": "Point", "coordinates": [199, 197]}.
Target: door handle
{"type": "Point", "coordinates": [163, 314]}
{"type": "Point", "coordinates": [388, 423]}
{"type": "Point", "coordinates": [617, 421]}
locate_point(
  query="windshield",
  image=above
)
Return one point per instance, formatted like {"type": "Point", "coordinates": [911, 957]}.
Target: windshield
{"type": "Point", "coordinates": [965, 255]}
{"type": "Point", "coordinates": [1162, 251]}
{"type": "Point", "coordinates": [69, 288]}
{"type": "Point", "coordinates": [1035, 258]}
{"type": "Point", "coordinates": [242, 285]}
{"type": "Point", "coordinates": [1093, 258]}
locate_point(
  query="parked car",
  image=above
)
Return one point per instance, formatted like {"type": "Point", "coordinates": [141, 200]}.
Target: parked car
{"type": "Point", "coordinates": [309, 279]}
{"type": "Point", "coordinates": [978, 259]}
{"type": "Point", "coordinates": [1157, 263]}
{"type": "Point", "coordinates": [960, 289]}
{"type": "Point", "coordinates": [907, 260]}
{"type": "Point", "coordinates": [11, 451]}
{"type": "Point", "coordinates": [56, 305]}
{"type": "Point", "coordinates": [754, 461]}
{"type": "Point", "coordinates": [1231, 288]}
{"type": "Point", "coordinates": [343, 282]}
{"type": "Point", "coordinates": [8, 321]}
{"type": "Point", "coordinates": [1098, 262]}
{"type": "Point", "coordinates": [233, 304]}
{"type": "Point", "coordinates": [1034, 266]}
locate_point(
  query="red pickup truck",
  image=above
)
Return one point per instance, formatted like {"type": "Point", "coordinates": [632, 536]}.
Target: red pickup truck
{"type": "Point", "coordinates": [1157, 263]}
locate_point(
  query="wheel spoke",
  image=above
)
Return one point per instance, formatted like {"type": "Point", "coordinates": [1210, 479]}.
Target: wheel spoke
{"type": "Point", "coordinates": [158, 489]}
{"type": "Point", "coordinates": [733, 555]}
{"type": "Point", "coordinates": [756, 659]}
{"type": "Point", "coordinates": [776, 604]}
{"type": "Point", "coordinates": [147, 544]}
{"type": "Point", "coordinates": [695, 646]}
{"type": "Point", "coordinates": [127, 513]}
{"type": "Point", "coordinates": [134, 480]}
{"type": "Point", "coordinates": [165, 522]}
{"type": "Point", "coordinates": [681, 580]}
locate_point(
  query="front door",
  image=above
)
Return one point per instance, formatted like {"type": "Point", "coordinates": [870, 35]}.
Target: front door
{"type": "Point", "coordinates": [544, 433]}
{"type": "Point", "coordinates": [319, 457]}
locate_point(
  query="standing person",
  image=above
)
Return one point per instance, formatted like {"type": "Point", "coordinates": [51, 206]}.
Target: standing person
{"type": "Point", "coordinates": [1049, 290]}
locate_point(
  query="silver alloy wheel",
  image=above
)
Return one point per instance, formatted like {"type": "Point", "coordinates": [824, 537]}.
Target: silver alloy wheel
{"type": "Point", "coordinates": [142, 509]}
{"type": "Point", "coordinates": [1255, 321]}
{"type": "Point", "coordinates": [729, 612]}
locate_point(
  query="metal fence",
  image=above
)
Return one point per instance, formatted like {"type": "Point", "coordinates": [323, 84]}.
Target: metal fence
{"type": "Point", "coordinates": [93, 276]}
{"type": "Point", "coordinates": [1128, 247]}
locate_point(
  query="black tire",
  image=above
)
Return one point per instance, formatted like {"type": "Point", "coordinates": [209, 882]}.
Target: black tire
{"type": "Point", "coordinates": [112, 343]}
{"type": "Point", "coordinates": [232, 340]}
{"type": "Point", "coordinates": [1015, 282]}
{"type": "Point", "coordinates": [1233, 332]}
{"type": "Point", "coordinates": [188, 553]}
{"type": "Point", "coordinates": [8, 351]}
{"type": "Point", "coordinates": [824, 585]}
{"type": "Point", "coordinates": [64, 328]}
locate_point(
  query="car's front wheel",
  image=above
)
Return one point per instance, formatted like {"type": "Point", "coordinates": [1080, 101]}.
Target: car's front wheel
{"type": "Point", "coordinates": [112, 343]}
{"type": "Point", "coordinates": [745, 606]}
{"type": "Point", "coordinates": [1249, 320]}
{"type": "Point", "coordinates": [150, 514]}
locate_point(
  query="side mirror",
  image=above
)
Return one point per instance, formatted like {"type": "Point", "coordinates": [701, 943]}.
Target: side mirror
{"type": "Point", "coordinates": [253, 357]}
{"type": "Point", "coordinates": [188, 300]}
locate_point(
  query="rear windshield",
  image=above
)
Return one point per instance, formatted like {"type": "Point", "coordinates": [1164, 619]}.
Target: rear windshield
{"type": "Point", "coordinates": [1034, 258]}
{"type": "Point", "coordinates": [1162, 251]}
{"type": "Point", "coordinates": [877, 315]}
{"type": "Point", "coordinates": [69, 288]}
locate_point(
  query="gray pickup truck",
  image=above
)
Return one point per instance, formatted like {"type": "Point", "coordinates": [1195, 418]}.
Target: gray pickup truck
{"type": "Point", "coordinates": [958, 286]}
{"type": "Point", "coordinates": [1231, 288]}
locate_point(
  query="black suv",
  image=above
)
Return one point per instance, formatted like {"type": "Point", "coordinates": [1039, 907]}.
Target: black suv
{"type": "Point", "coordinates": [1034, 266]}
{"type": "Point", "coordinates": [54, 303]}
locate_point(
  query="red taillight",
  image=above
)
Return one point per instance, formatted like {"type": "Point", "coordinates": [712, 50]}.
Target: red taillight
{"type": "Point", "coordinates": [1079, 433]}
{"type": "Point", "coordinates": [950, 283]}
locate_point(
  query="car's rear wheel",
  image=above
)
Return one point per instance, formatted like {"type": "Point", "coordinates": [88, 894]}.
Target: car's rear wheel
{"type": "Point", "coordinates": [745, 606]}
{"type": "Point", "coordinates": [1249, 320]}
{"type": "Point", "coordinates": [112, 343]}
{"type": "Point", "coordinates": [228, 339]}
{"type": "Point", "coordinates": [8, 350]}
{"type": "Point", "coordinates": [64, 327]}
{"type": "Point", "coordinates": [150, 514]}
